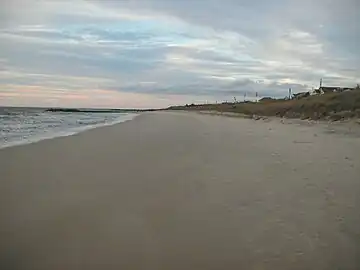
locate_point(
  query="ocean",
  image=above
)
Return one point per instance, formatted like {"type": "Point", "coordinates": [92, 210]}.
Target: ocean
{"type": "Point", "coordinates": [27, 125]}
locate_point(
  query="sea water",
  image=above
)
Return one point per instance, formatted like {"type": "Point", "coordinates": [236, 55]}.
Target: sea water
{"type": "Point", "coordinates": [28, 125]}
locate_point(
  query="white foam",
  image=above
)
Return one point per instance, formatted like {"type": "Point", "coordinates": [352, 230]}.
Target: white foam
{"type": "Point", "coordinates": [66, 133]}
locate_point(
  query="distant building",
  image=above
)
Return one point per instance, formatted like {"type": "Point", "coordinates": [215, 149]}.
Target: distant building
{"type": "Point", "coordinates": [316, 92]}
{"type": "Point", "coordinates": [331, 89]}
{"type": "Point", "coordinates": [301, 95]}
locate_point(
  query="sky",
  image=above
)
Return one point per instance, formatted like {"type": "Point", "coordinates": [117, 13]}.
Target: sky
{"type": "Point", "coordinates": [156, 53]}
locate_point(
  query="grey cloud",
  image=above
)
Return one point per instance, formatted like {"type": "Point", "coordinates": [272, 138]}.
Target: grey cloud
{"type": "Point", "coordinates": [218, 89]}
{"type": "Point", "coordinates": [333, 24]}
{"type": "Point", "coordinates": [79, 59]}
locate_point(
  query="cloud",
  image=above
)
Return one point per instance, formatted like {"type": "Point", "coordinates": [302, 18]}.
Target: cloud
{"type": "Point", "coordinates": [174, 50]}
{"type": "Point", "coordinates": [20, 95]}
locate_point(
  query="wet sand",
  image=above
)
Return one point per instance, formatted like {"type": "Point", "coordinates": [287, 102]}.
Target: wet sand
{"type": "Point", "coordinates": [183, 191]}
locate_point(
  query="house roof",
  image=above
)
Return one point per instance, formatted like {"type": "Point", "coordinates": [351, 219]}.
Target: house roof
{"type": "Point", "coordinates": [329, 88]}
{"type": "Point", "coordinates": [298, 94]}
{"type": "Point", "coordinates": [301, 95]}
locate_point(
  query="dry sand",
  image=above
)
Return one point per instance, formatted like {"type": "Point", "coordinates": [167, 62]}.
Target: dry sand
{"type": "Point", "coordinates": [183, 191]}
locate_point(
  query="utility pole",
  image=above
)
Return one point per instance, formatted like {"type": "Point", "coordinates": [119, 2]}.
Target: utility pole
{"type": "Point", "coordinates": [321, 81]}
{"type": "Point", "coordinates": [290, 92]}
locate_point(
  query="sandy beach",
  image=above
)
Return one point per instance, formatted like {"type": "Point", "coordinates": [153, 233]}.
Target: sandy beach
{"type": "Point", "coordinates": [184, 191]}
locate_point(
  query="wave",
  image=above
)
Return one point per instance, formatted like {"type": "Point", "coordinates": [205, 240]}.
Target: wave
{"type": "Point", "coordinates": [48, 133]}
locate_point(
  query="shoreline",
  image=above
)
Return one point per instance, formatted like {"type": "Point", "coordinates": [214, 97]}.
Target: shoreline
{"type": "Point", "coordinates": [345, 127]}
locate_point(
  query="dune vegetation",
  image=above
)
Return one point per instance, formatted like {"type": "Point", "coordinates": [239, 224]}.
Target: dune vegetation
{"type": "Point", "coordinates": [331, 106]}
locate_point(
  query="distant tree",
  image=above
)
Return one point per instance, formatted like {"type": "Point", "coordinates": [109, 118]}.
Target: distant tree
{"type": "Point", "coordinates": [357, 87]}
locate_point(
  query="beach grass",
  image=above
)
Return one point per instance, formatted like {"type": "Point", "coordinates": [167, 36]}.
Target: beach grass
{"type": "Point", "coordinates": [331, 106]}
